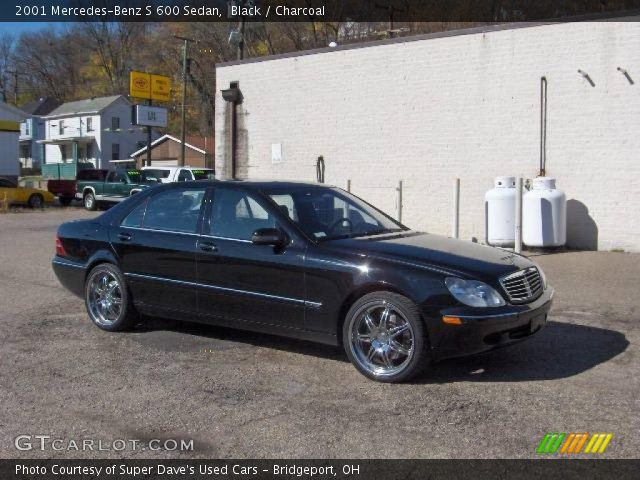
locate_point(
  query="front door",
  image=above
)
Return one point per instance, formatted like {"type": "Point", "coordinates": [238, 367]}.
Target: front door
{"type": "Point", "coordinates": [241, 281]}
{"type": "Point", "coordinates": [156, 244]}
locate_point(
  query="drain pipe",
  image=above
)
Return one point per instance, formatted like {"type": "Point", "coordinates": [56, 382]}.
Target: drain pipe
{"type": "Point", "coordinates": [233, 95]}
{"type": "Point", "coordinates": [456, 209]}
{"type": "Point", "coordinates": [518, 219]}
{"type": "Point", "coordinates": [543, 126]}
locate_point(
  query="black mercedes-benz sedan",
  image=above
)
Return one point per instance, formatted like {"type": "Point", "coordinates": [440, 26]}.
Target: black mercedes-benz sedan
{"type": "Point", "coordinates": [302, 260]}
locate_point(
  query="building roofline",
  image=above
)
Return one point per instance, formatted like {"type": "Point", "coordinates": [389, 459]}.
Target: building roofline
{"type": "Point", "coordinates": [164, 137]}
{"type": "Point", "coordinates": [431, 36]}
{"type": "Point", "coordinates": [87, 112]}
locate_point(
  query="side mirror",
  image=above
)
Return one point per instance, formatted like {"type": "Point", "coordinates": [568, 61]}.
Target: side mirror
{"type": "Point", "coordinates": [268, 236]}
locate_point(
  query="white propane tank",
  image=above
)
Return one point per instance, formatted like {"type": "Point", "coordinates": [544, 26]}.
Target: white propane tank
{"type": "Point", "coordinates": [501, 212]}
{"type": "Point", "coordinates": [544, 214]}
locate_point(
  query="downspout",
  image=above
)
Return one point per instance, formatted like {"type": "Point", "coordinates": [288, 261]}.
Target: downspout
{"type": "Point", "coordinates": [233, 95]}
{"type": "Point", "coordinates": [543, 127]}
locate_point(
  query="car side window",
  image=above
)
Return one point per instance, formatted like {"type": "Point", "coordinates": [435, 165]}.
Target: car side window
{"type": "Point", "coordinates": [184, 176]}
{"type": "Point", "coordinates": [134, 219]}
{"type": "Point", "coordinates": [4, 183]}
{"type": "Point", "coordinates": [236, 214]}
{"type": "Point", "coordinates": [174, 210]}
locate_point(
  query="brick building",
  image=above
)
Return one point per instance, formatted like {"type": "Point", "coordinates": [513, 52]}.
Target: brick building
{"type": "Point", "coordinates": [465, 104]}
{"type": "Point", "coordinates": [166, 151]}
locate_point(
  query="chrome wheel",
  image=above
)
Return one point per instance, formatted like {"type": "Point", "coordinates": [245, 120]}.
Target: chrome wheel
{"type": "Point", "coordinates": [104, 298]}
{"type": "Point", "coordinates": [382, 339]}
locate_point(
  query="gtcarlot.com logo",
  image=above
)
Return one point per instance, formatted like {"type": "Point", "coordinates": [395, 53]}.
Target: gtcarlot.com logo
{"type": "Point", "coordinates": [573, 443]}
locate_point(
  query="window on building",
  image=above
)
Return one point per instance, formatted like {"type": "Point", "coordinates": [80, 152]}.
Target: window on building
{"type": "Point", "coordinates": [174, 210]}
{"type": "Point", "coordinates": [63, 152]}
{"type": "Point", "coordinates": [61, 127]}
{"type": "Point", "coordinates": [115, 123]}
{"type": "Point", "coordinates": [89, 124]}
{"type": "Point", "coordinates": [27, 127]}
{"type": "Point", "coordinates": [115, 151]}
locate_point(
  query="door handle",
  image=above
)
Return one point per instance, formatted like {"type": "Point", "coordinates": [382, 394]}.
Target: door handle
{"type": "Point", "coordinates": [207, 246]}
{"type": "Point", "coordinates": [125, 237]}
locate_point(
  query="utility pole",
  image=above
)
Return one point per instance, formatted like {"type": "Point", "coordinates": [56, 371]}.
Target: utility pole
{"type": "Point", "coordinates": [183, 133]}
{"type": "Point", "coordinates": [391, 10]}
{"type": "Point", "coordinates": [241, 42]}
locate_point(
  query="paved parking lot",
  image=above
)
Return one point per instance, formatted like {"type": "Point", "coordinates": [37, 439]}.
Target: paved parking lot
{"type": "Point", "coordinates": [248, 395]}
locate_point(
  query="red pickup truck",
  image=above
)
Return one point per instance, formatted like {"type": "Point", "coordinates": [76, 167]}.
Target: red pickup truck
{"type": "Point", "coordinates": [65, 190]}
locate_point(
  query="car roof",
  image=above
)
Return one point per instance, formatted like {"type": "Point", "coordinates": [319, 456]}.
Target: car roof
{"type": "Point", "coordinates": [259, 184]}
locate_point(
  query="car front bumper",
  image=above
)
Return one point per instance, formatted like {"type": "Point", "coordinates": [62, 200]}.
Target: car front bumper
{"type": "Point", "coordinates": [482, 330]}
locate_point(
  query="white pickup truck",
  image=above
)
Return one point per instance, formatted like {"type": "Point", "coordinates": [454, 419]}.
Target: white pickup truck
{"type": "Point", "coordinates": [179, 174]}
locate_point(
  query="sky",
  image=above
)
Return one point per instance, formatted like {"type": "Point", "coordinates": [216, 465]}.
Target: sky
{"type": "Point", "coordinates": [16, 28]}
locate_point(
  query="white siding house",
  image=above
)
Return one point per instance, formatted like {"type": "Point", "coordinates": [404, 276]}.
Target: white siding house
{"type": "Point", "coordinates": [89, 133]}
{"type": "Point", "coordinates": [32, 131]}
{"type": "Point", "coordinates": [10, 118]}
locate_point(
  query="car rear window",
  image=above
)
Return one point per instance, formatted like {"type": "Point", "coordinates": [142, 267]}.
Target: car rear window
{"type": "Point", "coordinates": [157, 172]}
{"type": "Point", "coordinates": [92, 174]}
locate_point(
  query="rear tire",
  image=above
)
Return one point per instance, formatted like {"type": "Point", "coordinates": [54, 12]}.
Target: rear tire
{"type": "Point", "coordinates": [65, 201]}
{"type": "Point", "coordinates": [107, 299]}
{"type": "Point", "coordinates": [385, 338]}
{"type": "Point", "coordinates": [36, 201]}
{"type": "Point", "coordinates": [89, 200]}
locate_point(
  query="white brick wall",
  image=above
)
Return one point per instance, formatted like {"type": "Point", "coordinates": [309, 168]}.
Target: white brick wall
{"type": "Point", "coordinates": [465, 106]}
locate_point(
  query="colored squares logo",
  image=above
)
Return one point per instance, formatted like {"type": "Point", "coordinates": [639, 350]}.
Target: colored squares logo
{"type": "Point", "coordinates": [574, 443]}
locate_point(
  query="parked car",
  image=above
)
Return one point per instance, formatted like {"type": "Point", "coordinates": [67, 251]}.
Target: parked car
{"type": "Point", "coordinates": [180, 174]}
{"type": "Point", "coordinates": [19, 195]}
{"type": "Point", "coordinates": [65, 190]}
{"type": "Point", "coordinates": [116, 186]}
{"type": "Point", "coordinates": [302, 260]}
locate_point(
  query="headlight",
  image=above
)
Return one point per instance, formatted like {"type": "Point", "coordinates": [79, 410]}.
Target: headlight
{"type": "Point", "coordinates": [473, 293]}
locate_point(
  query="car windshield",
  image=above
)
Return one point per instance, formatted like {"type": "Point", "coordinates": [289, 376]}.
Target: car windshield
{"type": "Point", "coordinates": [325, 213]}
{"type": "Point", "coordinates": [203, 174]}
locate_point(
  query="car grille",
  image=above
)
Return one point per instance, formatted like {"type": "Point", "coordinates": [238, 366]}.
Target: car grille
{"type": "Point", "coordinates": [523, 286]}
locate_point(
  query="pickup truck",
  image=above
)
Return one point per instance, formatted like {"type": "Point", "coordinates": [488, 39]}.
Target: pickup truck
{"type": "Point", "coordinates": [117, 186]}
{"type": "Point", "coordinates": [179, 174]}
{"type": "Point", "coordinates": [65, 190]}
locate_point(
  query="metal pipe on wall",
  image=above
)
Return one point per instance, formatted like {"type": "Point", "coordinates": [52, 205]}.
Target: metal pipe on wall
{"type": "Point", "coordinates": [518, 219]}
{"type": "Point", "coordinates": [399, 200]}
{"type": "Point", "coordinates": [543, 126]}
{"type": "Point", "coordinates": [456, 209]}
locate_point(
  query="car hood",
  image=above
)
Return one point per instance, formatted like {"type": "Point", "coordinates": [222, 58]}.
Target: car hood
{"type": "Point", "coordinates": [449, 255]}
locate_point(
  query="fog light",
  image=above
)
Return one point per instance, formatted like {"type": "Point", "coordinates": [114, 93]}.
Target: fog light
{"type": "Point", "coordinates": [451, 320]}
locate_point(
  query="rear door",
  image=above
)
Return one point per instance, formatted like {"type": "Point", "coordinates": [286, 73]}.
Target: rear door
{"type": "Point", "coordinates": [156, 244]}
{"type": "Point", "coordinates": [242, 281]}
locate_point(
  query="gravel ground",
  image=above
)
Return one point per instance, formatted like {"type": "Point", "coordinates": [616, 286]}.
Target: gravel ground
{"type": "Point", "coordinates": [256, 396]}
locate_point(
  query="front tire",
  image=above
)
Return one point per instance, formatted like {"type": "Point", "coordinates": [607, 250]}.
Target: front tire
{"type": "Point", "coordinates": [36, 201]}
{"type": "Point", "coordinates": [90, 201]}
{"type": "Point", "coordinates": [107, 299]}
{"type": "Point", "coordinates": [385, 338]}
{"type": "Point", "coordinates": [65, 201]}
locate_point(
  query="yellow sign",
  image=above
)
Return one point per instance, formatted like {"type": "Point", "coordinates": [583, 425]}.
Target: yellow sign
{"type": "Point", "coordinates": [160, 88]}
{"type": "Point", "coordinates": [8, 126]}
{"type": "Point", "coordinates": [149, 86]}
{"type": "Point", "coordinates": [140, 84]}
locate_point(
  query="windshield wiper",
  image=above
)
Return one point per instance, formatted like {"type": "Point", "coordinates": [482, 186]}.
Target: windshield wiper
{"type": "Point", "coordinates": [360, 234]}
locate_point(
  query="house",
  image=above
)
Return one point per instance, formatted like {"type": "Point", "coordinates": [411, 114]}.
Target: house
{"type": "Point", "coordinates": [10, 118]}
{"type": "Point", "coordinates": [32, 130]}
{"type": "Point", "coordinates": [89, 134]}
{"type": "Point", "coordinates": [166, 151]}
